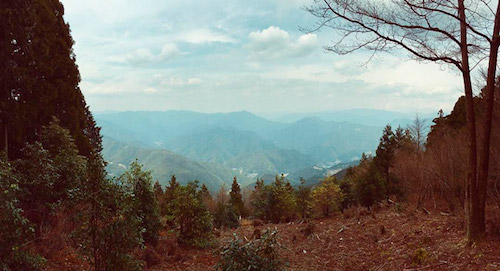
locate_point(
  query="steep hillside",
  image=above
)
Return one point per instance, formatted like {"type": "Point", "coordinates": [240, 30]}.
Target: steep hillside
{"type": "Point", "coordinates": [164, 164]}
{"type": "Point", "coordinates": [313, 175]}
{"type": "Point", "coordinates": [218, 144]}
{"type": "Point", "coordinates": [271, 161]}
{"type": "Point", "coordinates": [121, 134]}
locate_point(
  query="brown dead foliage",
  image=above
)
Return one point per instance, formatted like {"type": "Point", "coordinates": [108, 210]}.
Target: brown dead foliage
{"type": "Point", "coordinates": [410, 240]}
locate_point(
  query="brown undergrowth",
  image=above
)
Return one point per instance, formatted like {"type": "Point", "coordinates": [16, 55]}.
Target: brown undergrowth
{"type": "Point", "coordinates": [388, 239]}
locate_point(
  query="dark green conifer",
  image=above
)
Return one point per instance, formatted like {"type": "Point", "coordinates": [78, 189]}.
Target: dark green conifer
{"type": "Point", "coordinates": [39, 77]}
{"type": "Point", "coordinates": [145, 204]}
{"type": "Point", "coordinates": [236, 200]}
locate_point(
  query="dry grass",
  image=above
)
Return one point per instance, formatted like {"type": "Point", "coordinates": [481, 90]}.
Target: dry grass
{"type": "Point", "coordinates": [389, 240]}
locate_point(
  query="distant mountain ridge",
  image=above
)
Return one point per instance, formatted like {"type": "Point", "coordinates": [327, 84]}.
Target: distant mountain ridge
{"type": "Point", "coordinates": [371, 117]}
{"type": "Point", "coordinates": [164, 164]}
{"type": "Point", "coordinates": [237, 143]}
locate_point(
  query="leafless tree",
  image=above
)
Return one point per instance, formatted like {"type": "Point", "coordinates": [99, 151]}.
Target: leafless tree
{"type": "Point", "coordinates": [222, 194]}
{"type": "Point", "coordinates": [451, 32]}
{"type": "Point", "coordinates": [417, 131]}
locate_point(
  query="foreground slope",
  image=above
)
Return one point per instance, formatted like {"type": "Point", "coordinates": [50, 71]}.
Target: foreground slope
{"type": "Point", "coordinates": [389, 240]}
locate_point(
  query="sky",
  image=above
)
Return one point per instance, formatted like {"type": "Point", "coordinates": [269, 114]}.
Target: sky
{"type": "Point", "coordinates": [224, 56]}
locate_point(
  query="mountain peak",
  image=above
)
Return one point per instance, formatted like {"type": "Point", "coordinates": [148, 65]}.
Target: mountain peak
{"type": "Point", "coordinates": [310, 120]}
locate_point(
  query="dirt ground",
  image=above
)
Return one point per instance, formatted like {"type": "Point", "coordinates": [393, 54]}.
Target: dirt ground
{"type": "Point", "coordinates": [383, 240]}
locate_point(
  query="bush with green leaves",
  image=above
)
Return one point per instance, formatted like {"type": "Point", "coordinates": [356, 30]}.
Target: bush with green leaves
{"type": "Point", "coordinates": [15, 229]}
{"type": "Point", "coordinates": [109, 228]}
{"type": "Point", "coordinates": [275, 202]}
{"type": "Point", "coordinates": [348, 197]}
{"type": "Point", "coordinates": [304, 199]}
{"type": "Point", "coordinates": [369, 186]}
{"type": "Point", "coordinates": [69, 165]}
{"type": "Point", "coordinates": [257, 255]}
{"type": "Point", "coordinates": [140, 184]}
{"type": "Point", "coordinates": [327, 196]}
{"type": "Point", "coordinates": [258, 199]}
{"type": "Point", "coordinates": [225, 216]}
{"type": "Point", "coordinates": [187, 210]}
{"type": "Point", "coordinates": [51, 173]}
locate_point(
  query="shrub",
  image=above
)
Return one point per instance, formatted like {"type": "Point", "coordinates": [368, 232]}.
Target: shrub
{"type": "Point", "coordinates": [275, 202]}
{"type": "Point", "coordinates": [225, 216]}
{"type": "Point", "coordinates": [139, 183]}
{"type": "Point", "coordinates": [257, 255]}
{"type": "Point", "coordinates": [420, 256]}
{"type": "Point", "coordinates": [398, 207]}
{"type": "Point", "coordinates": [303, 195]}
{"type": "Point", "coordinates": [369, 187]}
{"type": "Point", "coordinates": [191, 214]}
{"type": "Point", "coordinates": [327, 197]}
{"type": "Point", "coordinates": [15, 229]}
{"type": "Point", "coordinates": [110, 229]}
{"type": "Point", "coordinates": [348, 198]}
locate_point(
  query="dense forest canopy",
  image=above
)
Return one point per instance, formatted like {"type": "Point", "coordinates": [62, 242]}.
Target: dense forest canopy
{"type": "Point", "coordinates": [39, 76]}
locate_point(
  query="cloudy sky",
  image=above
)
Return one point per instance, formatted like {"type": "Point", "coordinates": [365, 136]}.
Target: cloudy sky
{"type": "Point", "coordinates": [222, 56]}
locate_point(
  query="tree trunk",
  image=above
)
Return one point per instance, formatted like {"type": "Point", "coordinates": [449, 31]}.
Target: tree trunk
{"type": "Point", "coordinates": [473, 220]}
{"type": "Point", "coordinates": [6, 140]}
{"type": "Point", "coordinates": [484, 158]}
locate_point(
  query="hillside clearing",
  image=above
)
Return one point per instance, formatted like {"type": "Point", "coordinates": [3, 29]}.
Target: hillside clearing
{"type": "Point", "coordinates": [386, 241]}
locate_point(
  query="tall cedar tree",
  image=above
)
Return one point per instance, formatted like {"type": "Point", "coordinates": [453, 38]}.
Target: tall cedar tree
{"type": "Point", "coordinates": [144, 201]}
{"type": "Point", "coordinates": [192, 216]}
{"type": "Point", "coordinates": [304, 199]}
{"type": "Point", "coordinates": [51, 175]}
{"type": "Point", "coordinates": [38, 77]}
{"type": "Point", "coordinates": [110, 228]}
{"type": "Point", "coordinates": [384, 159]}
{"type": "Point", "coordinates": [167, 206]}
{"type": "Point", "coordinates": [259, 199]}
{"type": "Point", "coordinates": [236, 200]}
{"type": "Point", "coordinates": [385, 151]}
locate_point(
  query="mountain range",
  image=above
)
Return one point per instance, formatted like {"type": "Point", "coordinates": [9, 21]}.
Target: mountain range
{"type": "Point", "coordinates": [212, 148]}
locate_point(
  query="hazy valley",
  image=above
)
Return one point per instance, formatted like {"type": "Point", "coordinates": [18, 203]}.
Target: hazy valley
{"type": "Point", "coordinates": [212, 148]}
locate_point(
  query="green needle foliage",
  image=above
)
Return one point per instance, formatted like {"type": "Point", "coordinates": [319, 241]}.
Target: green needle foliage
{"type": "Point", "coordinates": [236, 200]}
{"type": "Point", "coordinates": [145, 205]}
{"type": "Point", "coordinates": [187, 210]}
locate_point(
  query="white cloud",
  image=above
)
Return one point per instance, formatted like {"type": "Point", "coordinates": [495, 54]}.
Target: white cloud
{"type": "Point", "coordinates": [138, 56]}
{"type": "Point", "coordinates": [176, 81]}
{"type": "Point", "coordinates": [122, 44]}
{"type": "Point", "coordinates": [144, 56]}
{"type": "Point", "coordinates": [293, 3]}
{"type": "Point", "coordinates": [275, 43]}
{"type": "Point", "coordinates": [413, 78]}
{"type": "Point", "coordinates": [194, 81]}
{"type": "Point", "coordinates": [169, 51]}
{"type": "Point", "coordinates": [151, 90]}
{"type": "Point", "coordinates": [203, 35]}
